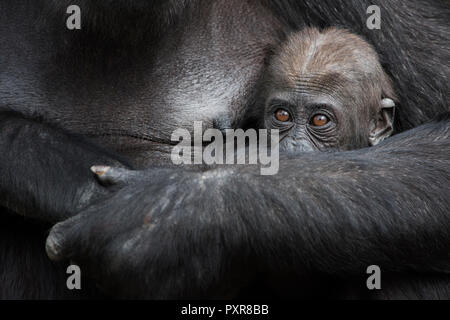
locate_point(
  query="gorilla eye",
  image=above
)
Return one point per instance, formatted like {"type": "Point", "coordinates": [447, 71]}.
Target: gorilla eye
{"type": "Point", "coordinates": [320, 120]}
{"type": "Point", "coordinates": [282, 115]}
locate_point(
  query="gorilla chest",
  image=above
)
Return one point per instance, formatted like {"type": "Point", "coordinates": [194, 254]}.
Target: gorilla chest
{"type": "Point", "coordinates": [204, 69]}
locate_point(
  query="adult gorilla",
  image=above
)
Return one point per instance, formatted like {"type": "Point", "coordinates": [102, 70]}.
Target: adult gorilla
{"type": "Point", "coordinates": [114, 91]}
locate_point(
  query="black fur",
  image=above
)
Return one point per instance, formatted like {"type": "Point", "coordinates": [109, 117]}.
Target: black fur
{"type": "Point", "coordinates": [123, 84]}
{"type": "Point", "coordinates": [22, 188]}
{"type": "Point", "coordinates": [207, 234]}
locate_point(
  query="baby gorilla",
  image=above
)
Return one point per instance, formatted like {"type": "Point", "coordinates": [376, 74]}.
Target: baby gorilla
{"type": "Point", "coordinates": [327, 90]}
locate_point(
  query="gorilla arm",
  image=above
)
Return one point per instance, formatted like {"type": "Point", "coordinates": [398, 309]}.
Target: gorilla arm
{"type": "Point", "coordinates": [33, 156]}
{"type": "Point", "coordinates": [173, 233]}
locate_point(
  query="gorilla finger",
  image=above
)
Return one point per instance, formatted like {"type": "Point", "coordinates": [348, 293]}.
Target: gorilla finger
{"type": "Point", "coordinates": [108, 176]}
{"type": "Point", "coordinates": [61, 242]}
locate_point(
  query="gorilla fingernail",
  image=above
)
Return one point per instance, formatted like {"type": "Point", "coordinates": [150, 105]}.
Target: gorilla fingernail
{"type": "Point", "coordinates": [100, 170]}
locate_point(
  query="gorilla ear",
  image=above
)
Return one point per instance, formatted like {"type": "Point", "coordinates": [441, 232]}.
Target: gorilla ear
{"type": "Point", "coordinates": [384, 126]}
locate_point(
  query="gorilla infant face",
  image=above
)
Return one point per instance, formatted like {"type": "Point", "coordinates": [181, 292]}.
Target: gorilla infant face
{"type": "Point", "coordinates": [327, 90]}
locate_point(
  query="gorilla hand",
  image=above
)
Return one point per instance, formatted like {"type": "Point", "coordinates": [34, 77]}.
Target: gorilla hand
{"type": "Point", "coordinates": [174, 233]}
{"type": "Point", "coordinates": [154, 237]}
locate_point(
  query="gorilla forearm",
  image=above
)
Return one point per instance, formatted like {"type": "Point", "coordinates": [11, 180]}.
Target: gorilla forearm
{"type": "Point", "coordinates": [181, 233]}
{"type": "Point", "coordinates": [343, 212]}
{"type": "Point", "coordinates": [45, 172]}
